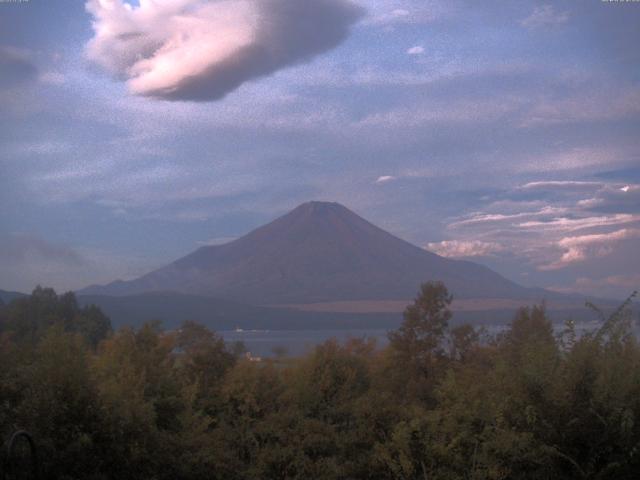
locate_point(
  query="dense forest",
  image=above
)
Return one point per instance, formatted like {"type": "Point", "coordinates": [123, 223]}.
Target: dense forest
{"type": "Point", "coordinates": [437, 403]}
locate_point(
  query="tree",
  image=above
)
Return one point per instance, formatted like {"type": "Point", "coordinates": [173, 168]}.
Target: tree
{"type": "Point", "coordinates": [28, 319]}
{"type": "Point", "coordinates": [425, 323]}
{"type": "Point", "coordinates": [530, 326]}
{"type": "Point", "coordinates": [59, 406]}
{"type": "Point", "coordinates": [204, 360]}
{"type": "Point", "coordinates": [92, 324]}
{"type": "Point", "coordinates": [417, 347]}
{"type": "Point", "coordinates": [463, 342]}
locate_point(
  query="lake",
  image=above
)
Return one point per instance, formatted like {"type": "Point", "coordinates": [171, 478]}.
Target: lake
{"type": "Point", "coordinates": [298, 342]}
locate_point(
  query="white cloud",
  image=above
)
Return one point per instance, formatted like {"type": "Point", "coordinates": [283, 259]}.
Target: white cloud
{"type": "Point", "coordinates": [417, 50]}
{"type": "Point", "coordinates": [200, 50]}
{"type": "Point", "coordinates": [545, 16]}
{"type": "Point", "coordinates": [389, 13]}
{"type": "Point", "coordinates": [405, 174]}
{"type": "Point", "coordinates": [212, 242]}
{"type": "Point", "coordinates": [477, 218]}
{"type": "Point", "coordinates": [464, 248]}
{"type": "Point", "coordinates": [385, 179]}
{"type": "Point", "coordinates": [570, 224]}
{"type": "Point", "coordinates": [561, 185]}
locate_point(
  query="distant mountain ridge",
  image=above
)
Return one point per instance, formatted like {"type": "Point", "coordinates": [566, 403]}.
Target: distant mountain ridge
{"type": "Point", "coordinates": [7, 297]}
{"type": "Point", "coordinates": [318, 252]}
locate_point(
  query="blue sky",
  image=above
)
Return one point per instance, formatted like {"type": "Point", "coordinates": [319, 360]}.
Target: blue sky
{"type": "Point", "coordinates": [502, 132]}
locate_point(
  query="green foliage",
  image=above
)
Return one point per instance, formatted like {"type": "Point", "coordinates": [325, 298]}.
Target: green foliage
{"type": "Point", "coordinates": [28, 319]}
{"type": "Point", "coordinates": [437, 403]}
{"type": "Point", "coordinates": [204, 361]}
{"type": "Point", "coordinates": [58, 404]}
{"type": "Point", "coordinates": [425, 323]}
{"type": "Point", "coordinates": [417, 351]}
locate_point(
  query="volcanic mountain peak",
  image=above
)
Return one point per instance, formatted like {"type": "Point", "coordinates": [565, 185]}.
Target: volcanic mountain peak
{"type": "Point", "coordinates": [315, 211]}
{"type": "Point", "coordinates": [318, 252]}
{"type": "Point", "coordinates": [329, 217]}
{"type": "Point", "coordinates": [319, 207]}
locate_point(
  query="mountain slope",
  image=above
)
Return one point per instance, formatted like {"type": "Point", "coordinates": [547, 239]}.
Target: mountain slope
{"type": "Point", "coordinates": [317, 252]}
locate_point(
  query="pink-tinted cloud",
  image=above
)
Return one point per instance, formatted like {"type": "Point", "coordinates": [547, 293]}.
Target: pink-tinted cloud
{"type": "Point", "coordinates": [464, 248]}
{"type": "Point", "coordinates": [200, 50]}
{"type": "Point", "coordinates": [580, 248]}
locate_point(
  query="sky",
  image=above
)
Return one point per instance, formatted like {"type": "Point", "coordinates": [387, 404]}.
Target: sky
{"type": "Point", "coordinates": [505, 133]}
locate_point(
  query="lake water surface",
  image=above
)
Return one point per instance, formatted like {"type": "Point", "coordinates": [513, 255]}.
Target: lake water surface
{"type": "Point", "coordinates": [298, 342]}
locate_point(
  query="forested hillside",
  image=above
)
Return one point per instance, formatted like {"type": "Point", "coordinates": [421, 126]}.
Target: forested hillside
{"type": "Point", "coordinates": [437, 403]}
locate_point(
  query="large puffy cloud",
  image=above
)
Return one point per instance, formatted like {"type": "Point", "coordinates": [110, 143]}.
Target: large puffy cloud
{"type": "Point", "coordinates": [201, 50]}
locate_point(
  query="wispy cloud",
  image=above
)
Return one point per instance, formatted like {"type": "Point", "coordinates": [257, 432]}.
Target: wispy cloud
{"type": "Point", "coordinates": [581, 247]}
{"type": "Point", "coordinates": [587, 104]}
{"type": "Point", "coordinates": [613, 198]}
{"type": "Point", "coordinates": [462, 248]}
{"type": "Point", "coordinates": [439, 112]}
{"type": "Point", "coordinates": [562, 185]}
{"type": "Point", "coordinates": [576, 158]}
{"type": "Point", "coordinates": [611, 286]}
{"type": "Point", "coordinates": [631, 282]}
{"type": "Point", "coordinates": [28, 259]}
{"type": "Point", "coordinates": [16, 65]}
{"type": "Point", "coordinates": [545, 16]}
{"type": "Point", "coordinates": [22, 247]}
{"type": "Point", "coordinates": [385, 179]}
{"type": "Point", "coordinates": [52, 78]}
{"type": "Point", "coordinates": [477, 218]}
{"type": "Point", "coordinates": [570, 230]}
{"type": "Point", "coordinates": [391, 13]}
{"type": "Point", "coordinates": [216, 241]}
{"type": "Point", "coordinates": [566, 224]}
